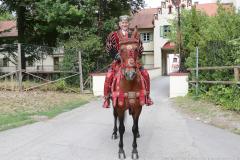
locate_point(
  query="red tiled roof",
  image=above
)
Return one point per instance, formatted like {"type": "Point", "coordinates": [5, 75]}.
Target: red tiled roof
{"type": "Point", "coordinates": [8, 29]}
{"type": "Point", "coordinates": [211, 8]}
{"type": "Point", "coordinates": [144, 18]}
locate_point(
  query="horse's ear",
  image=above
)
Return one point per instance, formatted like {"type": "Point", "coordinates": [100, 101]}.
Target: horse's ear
{"type": "Point", "coordinates": [135, 32]}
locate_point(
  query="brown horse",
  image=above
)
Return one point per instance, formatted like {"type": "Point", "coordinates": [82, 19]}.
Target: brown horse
{"type": "Point", "coordinates": [128, 90]}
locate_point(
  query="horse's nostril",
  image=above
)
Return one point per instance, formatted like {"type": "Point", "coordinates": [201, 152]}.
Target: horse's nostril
{"type": "Point", "coordinates": [132, 75]}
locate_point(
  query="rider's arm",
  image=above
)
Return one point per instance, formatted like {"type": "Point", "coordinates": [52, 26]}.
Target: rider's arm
{"type": "Point", "coordinates": [111, 45]}
{"type": "Point", "coordinates": [140, 48]}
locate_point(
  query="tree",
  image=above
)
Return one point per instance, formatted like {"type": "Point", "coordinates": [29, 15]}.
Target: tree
{"type": "Point", "coordinates": [193, 25]}
{"type": "Point", "coordinates": [4, 15]}
{"type": "Point", "coordinates": [85, 23]}
{"type": "Point", "coordinates": [217, 38]}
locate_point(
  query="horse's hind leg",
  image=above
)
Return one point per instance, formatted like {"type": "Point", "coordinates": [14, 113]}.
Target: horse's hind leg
{"type": "Point", "coordinates": [121, 153]}
{"type": "Point", "coordinates": [114, 135]}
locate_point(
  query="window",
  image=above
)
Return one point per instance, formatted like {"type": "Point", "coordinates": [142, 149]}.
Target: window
{"type": "Point", "coordinates": [29, 63]}
{"type": "Point", "coordinates": [164, 30]}
{"type": "Point", "coordinates": [160, 10]}
{"type": "Point", "coordinates": [170, 9]}
{"type": "Point", "coordinates": [56, 63]}
{"type": "Point", "coordinates": [163, 4]}
{"type": "Point", "coordinates": [146, 37]}
{"type": "Point", "coordinates": [189, 3]}
{"type": "Point", "coordinates": [5, 62]}
{"type": "Point", "coordinates": [174, 59]}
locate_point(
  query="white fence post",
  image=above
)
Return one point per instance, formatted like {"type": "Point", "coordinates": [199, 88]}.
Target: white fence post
{"type": "Point", "coordinates": [80, 71]}
{"type": "Point", "coordinates": [19, 67]}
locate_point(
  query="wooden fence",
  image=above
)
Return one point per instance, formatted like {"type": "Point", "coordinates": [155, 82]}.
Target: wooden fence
{"type": "Point", "coordinates": [236, 74]}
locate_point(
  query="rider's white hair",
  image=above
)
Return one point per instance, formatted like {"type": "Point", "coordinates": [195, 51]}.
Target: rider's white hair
{"type": "Point", "coordinates": [124, 18]}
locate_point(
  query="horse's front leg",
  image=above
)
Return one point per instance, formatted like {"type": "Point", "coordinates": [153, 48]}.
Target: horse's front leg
{"type": "Point", "coordinates": [135, 122]}
{"type": "Point", "coordinates": [121, 153]}
{"type": "Point", "coordinates": [114, 135]}
{"type": "Point", "coordinates": [135, 134]}
{"type": "Point", "coordinates": [135, 131]}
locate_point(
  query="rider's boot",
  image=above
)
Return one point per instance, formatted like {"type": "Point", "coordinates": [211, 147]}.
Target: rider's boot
{"type": "Point", "coordinates": [107, 88]}
{"type": "Point", "coordinates": [147, 80]}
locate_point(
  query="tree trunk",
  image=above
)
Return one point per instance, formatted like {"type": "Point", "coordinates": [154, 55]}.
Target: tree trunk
{"type": "Point", "coordinates": [21, 31]}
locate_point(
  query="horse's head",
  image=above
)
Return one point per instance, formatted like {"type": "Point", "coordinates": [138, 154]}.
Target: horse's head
{"type": "Point", "coordinates": [129, 52]}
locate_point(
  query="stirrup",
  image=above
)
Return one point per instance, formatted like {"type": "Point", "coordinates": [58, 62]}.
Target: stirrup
{"type": "Point", "coordinates": [106, 103]}
{"type": "Point", "coordinates": [149, 101]}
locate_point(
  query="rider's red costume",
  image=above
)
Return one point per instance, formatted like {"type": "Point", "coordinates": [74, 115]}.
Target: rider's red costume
{"type": "Point", "coordinates": [112, 48]}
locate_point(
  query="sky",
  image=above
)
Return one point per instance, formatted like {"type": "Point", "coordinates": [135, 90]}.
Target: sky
{"type": "Point", "coordinates": [157, 3]}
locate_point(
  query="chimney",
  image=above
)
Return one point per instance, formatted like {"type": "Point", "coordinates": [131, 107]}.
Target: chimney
{"type": "Point", "coordinates": [195, 3]}
{"type": "Point", "coordinates": [156, 16]}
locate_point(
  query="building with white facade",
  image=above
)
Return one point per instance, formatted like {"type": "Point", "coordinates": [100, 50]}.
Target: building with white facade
{"type": "Point", "coordinates": [47, 62]}
{"type": "Point", "coordinates": [154, 25]}
{"type": "Point", "coordinates": [236, 4]}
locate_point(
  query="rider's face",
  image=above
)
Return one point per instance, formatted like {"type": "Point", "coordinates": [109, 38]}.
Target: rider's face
{"type": "Point", "coordinates": [124, 24]}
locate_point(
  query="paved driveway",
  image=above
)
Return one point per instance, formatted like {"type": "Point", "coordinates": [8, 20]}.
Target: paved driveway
{"type": "Point", "coordinates": [85, 134]}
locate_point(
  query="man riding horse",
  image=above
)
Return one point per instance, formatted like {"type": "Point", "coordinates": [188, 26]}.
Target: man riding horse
{"type": "Point", "coordinates": [112, 48]}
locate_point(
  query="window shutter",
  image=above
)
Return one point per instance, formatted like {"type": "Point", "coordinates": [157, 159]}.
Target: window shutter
{"type": "Point", "coordinates": [151, 36]}
{"type": "Point", "coordinates": [142, 36]}
{"type": "Point", "coordinates": [1, 62]}
{"type": "Point", "coordinates": [161, 31]}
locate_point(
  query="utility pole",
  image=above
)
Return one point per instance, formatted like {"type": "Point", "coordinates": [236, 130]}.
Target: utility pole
{"type": "Point", "coordinates": [197, 71]}
{"type": "Point", "coordinates": [80, 71]}
{"type": "Point", "coordinates": [177, 3]}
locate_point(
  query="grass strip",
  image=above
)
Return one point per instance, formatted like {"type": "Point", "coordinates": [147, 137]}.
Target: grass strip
{"type": "Point", "coordinates": [9, 121]}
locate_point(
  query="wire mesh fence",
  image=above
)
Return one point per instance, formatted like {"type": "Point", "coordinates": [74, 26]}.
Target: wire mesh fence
{"type": "Point", "coordinates": [26, 67]}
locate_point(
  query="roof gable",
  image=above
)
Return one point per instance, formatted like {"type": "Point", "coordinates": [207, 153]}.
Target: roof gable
{"type": "Point", "coordinates": [8, 29]}
{"type": "Point", "coordinates": [211, 8]}
{"type": "Point", "coordinates": [144, 18]}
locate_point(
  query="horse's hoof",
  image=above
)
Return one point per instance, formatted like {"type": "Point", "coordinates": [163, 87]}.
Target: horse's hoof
{"type": "Point", "coordinates": [135, 155]}
{"type": "Point", "coordinates": [121, 154]}
{"type": "Point", "coordinates": [114, 136]}
{"type": "Point", "coordinates": [138, 135]}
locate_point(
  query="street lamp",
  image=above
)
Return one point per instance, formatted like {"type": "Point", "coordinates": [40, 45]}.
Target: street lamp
{"type": "Point", "coordinates": [177, 3]}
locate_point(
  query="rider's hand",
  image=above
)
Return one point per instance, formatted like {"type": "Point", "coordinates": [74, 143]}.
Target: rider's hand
{"type": "Point", "coordinates": [117, 57]}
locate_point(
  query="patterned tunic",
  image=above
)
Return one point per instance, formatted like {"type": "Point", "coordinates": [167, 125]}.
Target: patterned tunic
{"type": "Point", "coordinates": [112, 44]}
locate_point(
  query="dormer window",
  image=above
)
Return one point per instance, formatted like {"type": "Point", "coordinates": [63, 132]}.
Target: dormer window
{"type": "Point", "coordinates": [163, 4]}
{"type": "Point", "coordinates": [189, 3]}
